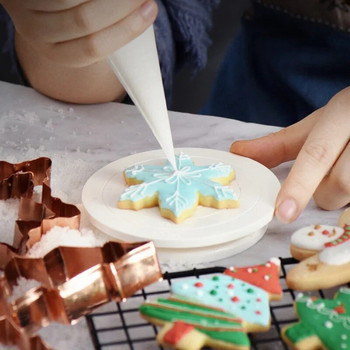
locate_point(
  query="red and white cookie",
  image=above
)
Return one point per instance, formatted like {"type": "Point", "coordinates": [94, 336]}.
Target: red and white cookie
{"type": "Point", "coordinates": [310, 240]}
{"type": "Point", "coordinates": [328, 268]}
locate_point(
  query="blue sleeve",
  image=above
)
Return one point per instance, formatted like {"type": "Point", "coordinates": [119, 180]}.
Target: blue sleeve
{"type": "Point", "coordinates": [182, 33]}
{"type": "Point", "coordinates": [10, 69]}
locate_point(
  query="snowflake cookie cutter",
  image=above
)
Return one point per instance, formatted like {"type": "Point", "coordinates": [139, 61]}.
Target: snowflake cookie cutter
{"type": "Point", "coordinates": [74, 281]}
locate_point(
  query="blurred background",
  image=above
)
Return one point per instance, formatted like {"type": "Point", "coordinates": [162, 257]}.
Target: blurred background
{"type": "Point", "coordinates": [190, 93]}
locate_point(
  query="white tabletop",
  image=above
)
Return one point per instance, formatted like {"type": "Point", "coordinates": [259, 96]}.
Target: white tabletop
{"type": "Point", "coordinates": [82, 139]}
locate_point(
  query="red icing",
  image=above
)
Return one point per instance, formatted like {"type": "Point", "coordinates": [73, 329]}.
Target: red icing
{"type": "Point", "coordinates": [199, 284]}
{"type": "Point", "coordinates": [271, 285]}
{"type": "Point", "coordinates": [340, 309]}
{"type": "Point", "coordinates": [342, 239]}
{"type": "Point", "coordinates": [235, 299]}
{"type": "Point", "coordinates": [176, 332]}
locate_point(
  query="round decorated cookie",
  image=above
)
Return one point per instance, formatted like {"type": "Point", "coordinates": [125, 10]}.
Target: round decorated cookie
{"type": "Point", "coordinates": [309, 240]}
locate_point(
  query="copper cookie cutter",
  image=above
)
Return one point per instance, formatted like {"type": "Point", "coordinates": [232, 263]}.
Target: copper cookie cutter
{"type": "Point", "coordinates": [74, 280]}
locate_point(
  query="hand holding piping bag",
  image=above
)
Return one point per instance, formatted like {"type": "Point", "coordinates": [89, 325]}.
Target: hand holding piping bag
{"type": "Point", "coordinates": [67, 41]}
{"type": "Point", "coordinates": [320, 146]}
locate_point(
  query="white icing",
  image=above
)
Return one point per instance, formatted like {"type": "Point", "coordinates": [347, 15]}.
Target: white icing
{"type": "Point", "coordinates": [302, 239]}
{"type": "Point", "coordinates": [337, 255]}
{"type": "Point", "coordinates": [276, 261]}
{"type": "Point", "coordinates": [329, 324]}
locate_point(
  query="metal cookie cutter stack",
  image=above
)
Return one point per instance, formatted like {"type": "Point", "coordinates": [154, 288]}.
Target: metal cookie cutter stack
{"type": "Point", "coordinates": [73, 281]}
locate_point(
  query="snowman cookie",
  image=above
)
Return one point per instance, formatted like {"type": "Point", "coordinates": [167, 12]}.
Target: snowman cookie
{"type": "Point", "coordinates": [328, 268]}
{"type": "Point", "coordinates": [309, 240]}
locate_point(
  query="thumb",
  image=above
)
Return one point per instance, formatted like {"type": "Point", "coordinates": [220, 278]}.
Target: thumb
{"type": "Point", "coordinates": [278, 147]}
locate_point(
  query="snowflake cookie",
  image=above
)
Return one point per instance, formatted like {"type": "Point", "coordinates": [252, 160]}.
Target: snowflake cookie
{"type": "Point", "coordinates": [178, 193]}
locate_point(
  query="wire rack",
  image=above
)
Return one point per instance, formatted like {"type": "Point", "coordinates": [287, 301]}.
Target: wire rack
{"type": "Point", "coordinates": [120, 327]}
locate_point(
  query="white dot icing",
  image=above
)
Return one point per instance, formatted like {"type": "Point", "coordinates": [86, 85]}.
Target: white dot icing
{"type": "Point", "coordinates": [328, 324]}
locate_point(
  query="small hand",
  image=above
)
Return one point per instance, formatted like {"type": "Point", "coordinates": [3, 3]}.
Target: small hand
{"type": "Point", "coordinates": [320, 146]}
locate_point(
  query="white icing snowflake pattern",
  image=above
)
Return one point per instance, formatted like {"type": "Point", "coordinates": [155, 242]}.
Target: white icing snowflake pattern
{"type": "Point", "coordinates": [182, 189]}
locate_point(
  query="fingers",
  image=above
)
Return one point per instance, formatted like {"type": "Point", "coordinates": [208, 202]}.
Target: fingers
{"type": "Point", "coordinates": [79, 21]}
{"type": "Point", "coordinates": [321, 149]}
{"type": "Point", "coordinates": [77, 33]}
{"type": "Point", "coordinates": [92, 48]}
{"type": "Point", "coordinates": [52, 5]}
{"type": "Point", "coordinates": [279, 147]}
{"type": "Point", "coordinates": [337, 182]}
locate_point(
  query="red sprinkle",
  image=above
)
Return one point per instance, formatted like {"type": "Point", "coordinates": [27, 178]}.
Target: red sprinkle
{"type": "Point", "coordinates": [199, 284]}
{"type": "Point", "coordinates": [258, 312]}
{"type": "Point", "coordinates": [235, 299]}
{"type": "Point", "coordinates": [258, 300]}
{"type": "Point", "coordinates": [325, 232]}
{"type": "Point", "coordinates": [231, 286]}
{"type": "Point", "coordinates": [340, 309]}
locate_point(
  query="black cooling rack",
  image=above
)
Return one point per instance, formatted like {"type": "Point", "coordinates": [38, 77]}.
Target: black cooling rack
{"type": "Point", "coordinates": [121, 328]}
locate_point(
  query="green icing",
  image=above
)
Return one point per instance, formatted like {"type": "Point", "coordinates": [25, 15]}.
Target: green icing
{"type": "Point", "coordinates": [201, 308]}
{"type": "Point", "coordinates": [319, 318]}
{"type": "Point", "coordinates": [206, 318]}
{"type": "Point", "coordinates": [298, 332]}
{"type": "Point", "coordinates": [238, 338]}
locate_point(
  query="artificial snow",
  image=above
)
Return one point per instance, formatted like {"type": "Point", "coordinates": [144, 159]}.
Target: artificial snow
{"type": "Point", "coordinates": [64, 236]}
{"type": "Point", "coordinates": [22, 286]}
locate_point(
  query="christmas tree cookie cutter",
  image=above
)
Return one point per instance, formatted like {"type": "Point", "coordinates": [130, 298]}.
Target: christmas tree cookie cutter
{"type": "Point", "coordinates": [74, 281]}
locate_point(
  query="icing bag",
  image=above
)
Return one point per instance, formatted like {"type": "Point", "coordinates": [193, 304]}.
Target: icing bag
{"type": "Point", "coordinates": [137, 67]}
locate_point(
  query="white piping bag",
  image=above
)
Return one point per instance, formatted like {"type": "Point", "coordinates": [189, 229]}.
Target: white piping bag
{"type": "Point", "coordinates": [137, 67]}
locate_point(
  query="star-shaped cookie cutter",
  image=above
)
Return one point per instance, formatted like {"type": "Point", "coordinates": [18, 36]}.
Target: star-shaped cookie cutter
{"type": "Point", "coordinates": [74, 281]}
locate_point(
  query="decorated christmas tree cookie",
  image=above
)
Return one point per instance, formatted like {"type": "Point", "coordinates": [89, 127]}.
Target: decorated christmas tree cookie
{"type": "Point", "coordinates": [265, 276]}
{"type": "Point", "coordinates": [187, 326]}
{"type": "Point", "coordinates": [329, 268]}
{"type": "Point", "coordinates": [179, 192]}
{"type": "Point", "coordinates": [324, 323]}
{"type": "Point", "coordinates": [216, 311]}
{"type": "Point", "coordinates": [232, 295]}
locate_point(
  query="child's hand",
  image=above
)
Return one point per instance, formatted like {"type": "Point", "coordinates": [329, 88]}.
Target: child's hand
{"type": "Point", "coordinates": [61, 44]}
{"type": "Point", "coordinates": [77, 33]}
{"type": "Point", "coordinates": [320, 145]}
